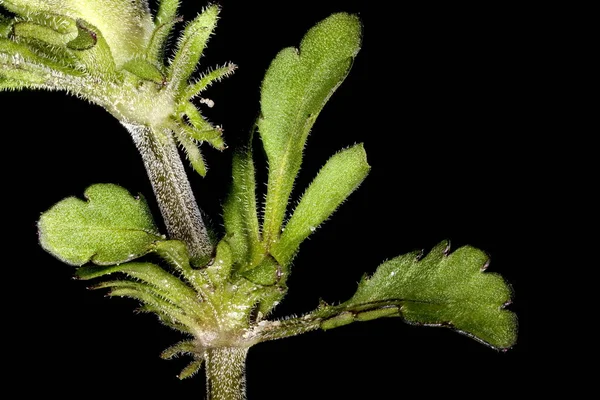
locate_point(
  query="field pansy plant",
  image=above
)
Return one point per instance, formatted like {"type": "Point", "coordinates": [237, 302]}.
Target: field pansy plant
{"type": "Point", "coordinates": [219, 289]}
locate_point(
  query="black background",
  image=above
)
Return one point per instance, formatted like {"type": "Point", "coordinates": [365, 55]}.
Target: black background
{"type": "Point", "coordinates": [441, 96]}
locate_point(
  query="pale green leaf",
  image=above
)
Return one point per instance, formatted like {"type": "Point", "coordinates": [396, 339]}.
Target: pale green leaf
{"type": "Point", "coordinates": [191, 151]}
{"type": "Point", "coordinates": [126, 25]}
{"type": "Point", "coordinates": [207, 79]}
{"type": "Point", "coordinates": [158, 43]}
{"type": "Point", "coordinates": [167, 11]}
{"type": "Point", "coordinates": [191, 46]}
{"type": "Point", "coordinates": [200, 129]}
{"type": "Point", "coordinates": [110, 227]}
{"type": "Point", "coordinates": [295, 88]}
{"type": "Point", "coordinates": [340, 176]}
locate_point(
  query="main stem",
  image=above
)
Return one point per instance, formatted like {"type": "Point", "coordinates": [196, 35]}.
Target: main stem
{"type": "Point", "coordinates": [225, 373]}
{"type": "Point", "coordinates": [172, 190]}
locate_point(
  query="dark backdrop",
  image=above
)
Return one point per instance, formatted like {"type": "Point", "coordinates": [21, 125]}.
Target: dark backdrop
{"type": "Point", "coordinates": [439, 95]}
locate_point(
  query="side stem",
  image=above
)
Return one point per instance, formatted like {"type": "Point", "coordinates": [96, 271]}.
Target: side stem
{"type": "Point", "coordinates": [225, 373]}
{"type": "Point", "coordinates": [172, 190]}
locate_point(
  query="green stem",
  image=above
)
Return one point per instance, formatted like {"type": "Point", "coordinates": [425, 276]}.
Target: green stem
{"type": "Point", "coordinates": [172, 190]}
{"type": "Point", "coordinates": [225, 373]}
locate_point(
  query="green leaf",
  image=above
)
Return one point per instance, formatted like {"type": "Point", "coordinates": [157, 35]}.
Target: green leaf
{"type": "Point", "coordinates": [92, 49]}
{"type": "Point", "coordinates": [166, 18]}
{"type": "Point", "coordinates": [50, 28]}
{"type": "Point", "coordinates": [340, 176]}
{"type": "Point", "coordinates": [188, 347]}
{"type": "Point", "coordinates": [219, 270]}
{"type": "Point", "coordinates": [167, 11]}
{"type": "Point", "coordinates": [172, 314]}
{"type": "Point", "coordinates": [20, 62]}
{"type": "Point", "coordinates": [240, 214]}
{"type": "Point", "coordinates": [191, 151]}
{"type": "Point", "coordinates": [144, 70]}
{"type": "Point", "coordinates": [442, 289]}
{"type": "Point", "coordinates": [190, 47]}
{"type": "Point", "coordinates": [5, 26]}
{"type": "Point", "coordinates": [207, 79]}
{"type": "Point", "coordinates": [198, 128]}
{"type": "Point", "coordinates": [295, 89]}
{"type": "Point", "coordinates": [12, 84]}
{"type": "Point", "coordinates": [87, 37]}
{"type": "Point", "coordinates": [165, 284]}
{"type": "Point", "coordinates": [111, 227]}
{"type": "Point", "coordinates": [191, 369]}
{"type": "Point", "coordinates": [176, 254]}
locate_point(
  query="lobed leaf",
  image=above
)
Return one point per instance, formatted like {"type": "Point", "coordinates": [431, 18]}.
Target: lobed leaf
{"type": "Point", "coordinates": [296, 87]}
{"type": "Point", "coordinates": [442, 289]}
{"type": "Point", "coordinates": [110, 227]}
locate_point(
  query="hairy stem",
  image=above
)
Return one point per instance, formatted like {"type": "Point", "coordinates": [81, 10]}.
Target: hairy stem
{"type": "Point", "coordinates": [225, 373]}
{"type": "Point", "coordinates": [172, 190]}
